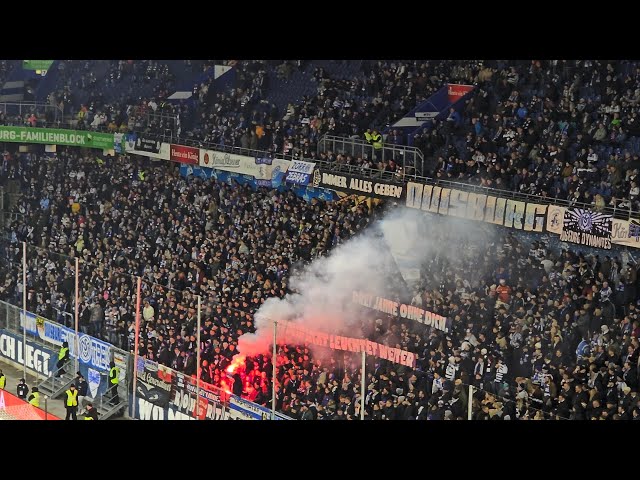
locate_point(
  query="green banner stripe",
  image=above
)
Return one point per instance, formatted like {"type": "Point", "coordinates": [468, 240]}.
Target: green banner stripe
{"type": "Point", "coordinates": [52, 136]}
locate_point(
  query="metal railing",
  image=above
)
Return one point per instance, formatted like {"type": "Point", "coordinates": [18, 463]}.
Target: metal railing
{"type": "Point", "coordinates": [21, 109]}
{"type": "Point", "coordinates": [410, 159]}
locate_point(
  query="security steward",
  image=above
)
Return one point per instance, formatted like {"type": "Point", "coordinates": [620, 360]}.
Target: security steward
{"type": "Point", "coordinates": [114, 378]}
{"type": "Point", "coordinates": [376, 141]}
{"type": "Point", "coordinates": [63, 357]}
{"type": "Point", "coordinates": [34, 398]}
{"type": "Point", "coordinates": [71, 402]}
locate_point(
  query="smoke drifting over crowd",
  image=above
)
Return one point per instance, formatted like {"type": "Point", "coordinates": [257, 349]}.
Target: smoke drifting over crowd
{"type": "Point", "coordinates": [323, 298]}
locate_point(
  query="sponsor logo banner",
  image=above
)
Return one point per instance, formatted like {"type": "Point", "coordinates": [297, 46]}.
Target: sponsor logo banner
{"type": "Point", "coordinates": [290, 333]}
{"type": "Point", "coordinates": [148, 145]}
{"type": "Point", "coordinates": [184, 154]}
{"type": "Point", "coordinates": [266, 171]}
{"type": "Point", "coordinates": [53, 136]}
{"type": "Point", "coordinates": [456, 91]}
{"type": "Point", "coordinates": [396, 309]}
{"type": "Point", "coordinates": [299, 172]}
{"type": "Point", "coordinates": [36, 358]}
{"type": "Point", "coordinates": [586, 227]}
{"type": "Point", "coordinates": [355, 185]}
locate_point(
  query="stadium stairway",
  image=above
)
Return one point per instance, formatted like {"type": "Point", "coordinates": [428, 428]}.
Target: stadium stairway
{"type": "Point", "coordinates": [54, 387]}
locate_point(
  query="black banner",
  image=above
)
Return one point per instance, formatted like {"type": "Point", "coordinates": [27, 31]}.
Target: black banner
{"type": "Point", "coordinates": [148, 145]}
{"type": "Point", "coordinates": [586, 227]}
{"type": "Point", "coordinates": [184, 394]}
{"type": "Point", "coordinates": [355, 185]}
{"type": "Point", "coordinates": [154, 382]}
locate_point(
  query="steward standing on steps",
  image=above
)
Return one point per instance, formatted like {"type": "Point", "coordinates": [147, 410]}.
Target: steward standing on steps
{"type": "Point", "coordinates": [22, 389]}
{"type": "Point", "coordinates": [114, 378]}
{"type": "Point", "coordinates": [63, 357]}
{"type": "Point", "coordinates": [71, 402]}
{"type": "Point", "coordinates": [34, 398]}
{"type": "Point", "coordinates": [3, 380]}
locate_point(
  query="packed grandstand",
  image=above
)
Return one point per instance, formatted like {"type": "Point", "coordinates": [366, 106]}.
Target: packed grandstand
{"type": "Point", "coordinates": [469, 225]}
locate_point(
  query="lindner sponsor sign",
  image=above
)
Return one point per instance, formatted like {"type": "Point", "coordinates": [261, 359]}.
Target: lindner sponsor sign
{"type": "Point", "coordinates": [268, 172]}
{"type": "Point", "coordinates": [299, 172]}
{"type": "Point", "coordinates": [355, 185]}
{"type": "Point", "coordinates": [397, 309]}
{"type": "Point", "coordinates": [51, 136]}
{"type": "Point", "coordinates": [184, 154]}
{"type": "Point", "coordinates": [588, 228]}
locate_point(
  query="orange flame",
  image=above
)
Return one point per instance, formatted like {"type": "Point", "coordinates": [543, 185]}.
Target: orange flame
{"type": "Point", "coordinates": [237, 361]}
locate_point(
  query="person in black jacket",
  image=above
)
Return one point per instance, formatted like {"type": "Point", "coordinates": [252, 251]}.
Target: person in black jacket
{"type": "Point", "coordinates": [90, 413]}
{"type": "Point", "coordinates": [22, 389]}
{"type": "Point", "coordinates": [63, 357]}
{"type": "Point", "coordinates": [238, 387]}
{"type": "Point", "coordinates": [82, 386]}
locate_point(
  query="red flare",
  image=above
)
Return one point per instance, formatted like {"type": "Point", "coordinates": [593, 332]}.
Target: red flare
{"type": "Point", "coordinates": [238, 361]}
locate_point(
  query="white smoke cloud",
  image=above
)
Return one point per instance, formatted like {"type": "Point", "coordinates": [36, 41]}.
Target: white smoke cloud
{"type": "Point", "coordinates": [323, 301]}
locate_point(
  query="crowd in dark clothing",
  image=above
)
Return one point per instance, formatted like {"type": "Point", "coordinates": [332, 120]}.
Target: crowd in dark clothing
{"type": "Point", "coordinates": [564, 129]}
{"type": "Point", "coordinates": [541, 334]}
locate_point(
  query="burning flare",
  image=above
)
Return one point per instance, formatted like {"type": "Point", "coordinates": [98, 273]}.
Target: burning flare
{"type": "Point", "coordinates": [238, 361]}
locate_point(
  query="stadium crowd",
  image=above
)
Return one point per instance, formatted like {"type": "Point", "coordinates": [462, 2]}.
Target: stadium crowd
{"type": "Point", "coordinates": [542, 334]}
{"type": "Point", "coordinates": [565, 129]}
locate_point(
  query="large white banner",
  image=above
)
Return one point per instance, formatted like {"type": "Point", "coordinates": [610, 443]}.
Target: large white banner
{"type": "Point", "coordinates": [265, 170]}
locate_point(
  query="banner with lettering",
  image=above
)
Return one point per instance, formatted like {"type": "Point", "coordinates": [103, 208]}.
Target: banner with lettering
{"type": "Point", "coordinates": [299, 172]}
{"type": "Point", "coordinates": [402, 310]}
{"type": "Point", "coordinates": [55, 136]}
{"type": "Point", "coordinates": [183, 398]}
{"type": "Point", "coordinates": [356, 185]}
{"type": "Point", "coordinates": [38, 359]}
{"type": "Point", "coordinates": [586, 227]}
{"type": "Point", "coordinates": [93, 352]}
{"type": "Point", "coordinates": [154, 382]}
{"type": "Point", "coordinates": [291, 333]}
{"type": "Point", "coordinates": [626, 232]}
